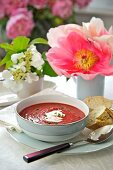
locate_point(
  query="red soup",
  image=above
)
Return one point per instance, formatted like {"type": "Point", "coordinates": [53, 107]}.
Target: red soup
{"type": "Point", "coordinates": [52, 113]}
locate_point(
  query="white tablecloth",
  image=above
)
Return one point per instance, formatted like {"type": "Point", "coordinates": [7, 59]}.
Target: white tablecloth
{"type": "Point", "coordinates": [11, 152]}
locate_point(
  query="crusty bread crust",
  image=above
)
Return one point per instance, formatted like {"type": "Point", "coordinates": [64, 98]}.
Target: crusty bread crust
{"type": "Point", "coordinates": [110, 111]}
{"type": "Point", "coordinates": [101, 113]}
{"type": "Point", "coordinates": [99, 117]}
{"type": "Point", "coordinates": [95, 101]}
{"type": "Point", "coordinates": [99, 124]}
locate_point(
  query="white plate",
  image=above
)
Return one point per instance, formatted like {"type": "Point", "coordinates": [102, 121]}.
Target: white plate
{"type": "Point", "coordinates": [34, 143]}
{"type": "Point", "coordinates": [8, 98]}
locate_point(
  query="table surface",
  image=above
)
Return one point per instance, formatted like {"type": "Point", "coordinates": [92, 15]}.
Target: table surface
{"type": "Point", "coordinates": [11, 152]}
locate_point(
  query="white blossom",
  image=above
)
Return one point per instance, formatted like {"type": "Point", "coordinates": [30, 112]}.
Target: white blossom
{"type": "Point", "coordinates": [37, 63]}
{"type": "Point", "coordinates": [37, 60]}
{"type": "Point", "coordinates": [20, 66]}
{"type": "Point", "coordinates": [17, 56]}
{"type": "Point", "coordinates": [21, 69]}
{"type": "Point", "coordinates": [32, 49]}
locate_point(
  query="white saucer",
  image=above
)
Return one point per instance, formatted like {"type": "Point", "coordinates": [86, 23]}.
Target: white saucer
{"type": "Point", "coordinates": [8, 98]}
{"type": "Point", "coordinates": [39, 145]}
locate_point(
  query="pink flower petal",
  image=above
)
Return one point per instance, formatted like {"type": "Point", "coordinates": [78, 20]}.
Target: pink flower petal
{"type": "Point", "coordinates": [63, 58]}
{"type": "Point", "coordinates": [54, 34]}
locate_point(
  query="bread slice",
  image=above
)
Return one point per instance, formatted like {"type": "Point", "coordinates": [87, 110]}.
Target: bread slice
{"type": "Point", "coordinates": [104, 116]}
{"type": "Point", "coordinates": [110, 112]}
{"type": "Point", "coordinates": [95, 101]}
{"type": "Point", "coordinates": [99, 117]}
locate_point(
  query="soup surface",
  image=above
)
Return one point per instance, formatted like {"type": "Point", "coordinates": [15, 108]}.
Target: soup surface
{"type": "Point", "coordinates": [52, 113]}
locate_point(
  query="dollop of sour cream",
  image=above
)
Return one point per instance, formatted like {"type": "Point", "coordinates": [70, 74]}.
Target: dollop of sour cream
{"type": "Point", "coordinates": [101, 131]}
{"type": "Point", "coordinates": [54, 116]}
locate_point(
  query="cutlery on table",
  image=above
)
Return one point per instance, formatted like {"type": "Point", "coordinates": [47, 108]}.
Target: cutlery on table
{"type": "Point", "coordinates": [98, 136]}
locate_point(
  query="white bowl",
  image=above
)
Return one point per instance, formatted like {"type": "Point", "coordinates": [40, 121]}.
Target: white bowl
{"type": "Point", "coordinates": [47, 132]}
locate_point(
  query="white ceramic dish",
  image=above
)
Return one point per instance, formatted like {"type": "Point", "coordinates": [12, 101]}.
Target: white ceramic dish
{"type": "Point", "coordinates": [51, 138]}
{"type": "Point", "coordinates": [8, 98]}
{"type": "Point", "coordinates": [47, 132]}
{"type": "Point", "coordinates": [39, 145]}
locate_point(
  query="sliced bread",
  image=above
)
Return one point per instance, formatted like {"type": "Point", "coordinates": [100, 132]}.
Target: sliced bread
{"type": "Point", "coordinates": [99, 117]}
{"type": "Point", "coordinates": [110, 112]}
{"type": "Point", "coordinates": [95, 101]}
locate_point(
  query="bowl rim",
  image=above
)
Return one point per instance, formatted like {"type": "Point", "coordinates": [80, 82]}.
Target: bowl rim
{"type": "Point", "coordinates": [51, 125]}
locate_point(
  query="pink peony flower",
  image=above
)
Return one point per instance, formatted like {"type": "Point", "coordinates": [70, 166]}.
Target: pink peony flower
{"type": "Point", "coordinates": [79, 56]}
{"type": "Point", "coordinates": [2, 9]}
{"type": "Point", "coordinates": [62, 9]}
{"type": "Point", "coordinates": [11, 5]}
{"type": "Point", "coordinates": [55, 34]}
{"type": "Point", "coordinates": [82, 3]}
{"type": "Point", "coordinates": [20, 23]}
{"type": "Point", "coordinates": [2, 12]}
{"type": "Point", "coordinates": [96, 30]}
{"type": "Point", "coordinates": [50, 3]}
{"type": "Point", "coordinates": [38, 3]}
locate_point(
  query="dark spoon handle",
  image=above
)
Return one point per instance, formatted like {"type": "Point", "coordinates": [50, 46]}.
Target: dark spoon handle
{"type": "Point", "coordinates": [45, 152]}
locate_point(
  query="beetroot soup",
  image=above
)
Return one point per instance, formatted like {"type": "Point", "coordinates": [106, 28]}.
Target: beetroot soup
{"type": "Point", "coordinates": [52, 113]}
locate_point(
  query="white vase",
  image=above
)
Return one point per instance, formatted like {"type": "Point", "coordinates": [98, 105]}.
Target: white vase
{"type": "Point", "coordinates": [30, 88]}
{"type": "Point", "coordinates": [94, 87]}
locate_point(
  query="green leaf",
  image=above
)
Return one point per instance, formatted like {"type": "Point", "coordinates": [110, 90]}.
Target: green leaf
{"type": "Point", "coordinates": [20, 43]}
{"type": "Point", "coordinates": [6, 59]}
{"type": "Point", "coordinates": [44, 56]}
{"type": "Point", "coordinates": [9, 64]}
{"type": "Point", "coordinates": [47, 70]}
{"type": "Point", "coordinates": [39, 41]}
{"type": "Point", "coordinates": [7, 47]}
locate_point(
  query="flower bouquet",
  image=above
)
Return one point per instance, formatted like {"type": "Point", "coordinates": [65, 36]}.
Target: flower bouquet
{"type": "Point", "coordinates": [24, 65]}
{"type": "Point", "coordinates": [84, 51]}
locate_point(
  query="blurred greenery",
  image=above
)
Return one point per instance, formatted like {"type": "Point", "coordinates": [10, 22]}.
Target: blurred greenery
{"type": "Point", "coordinates": [44, 20]}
